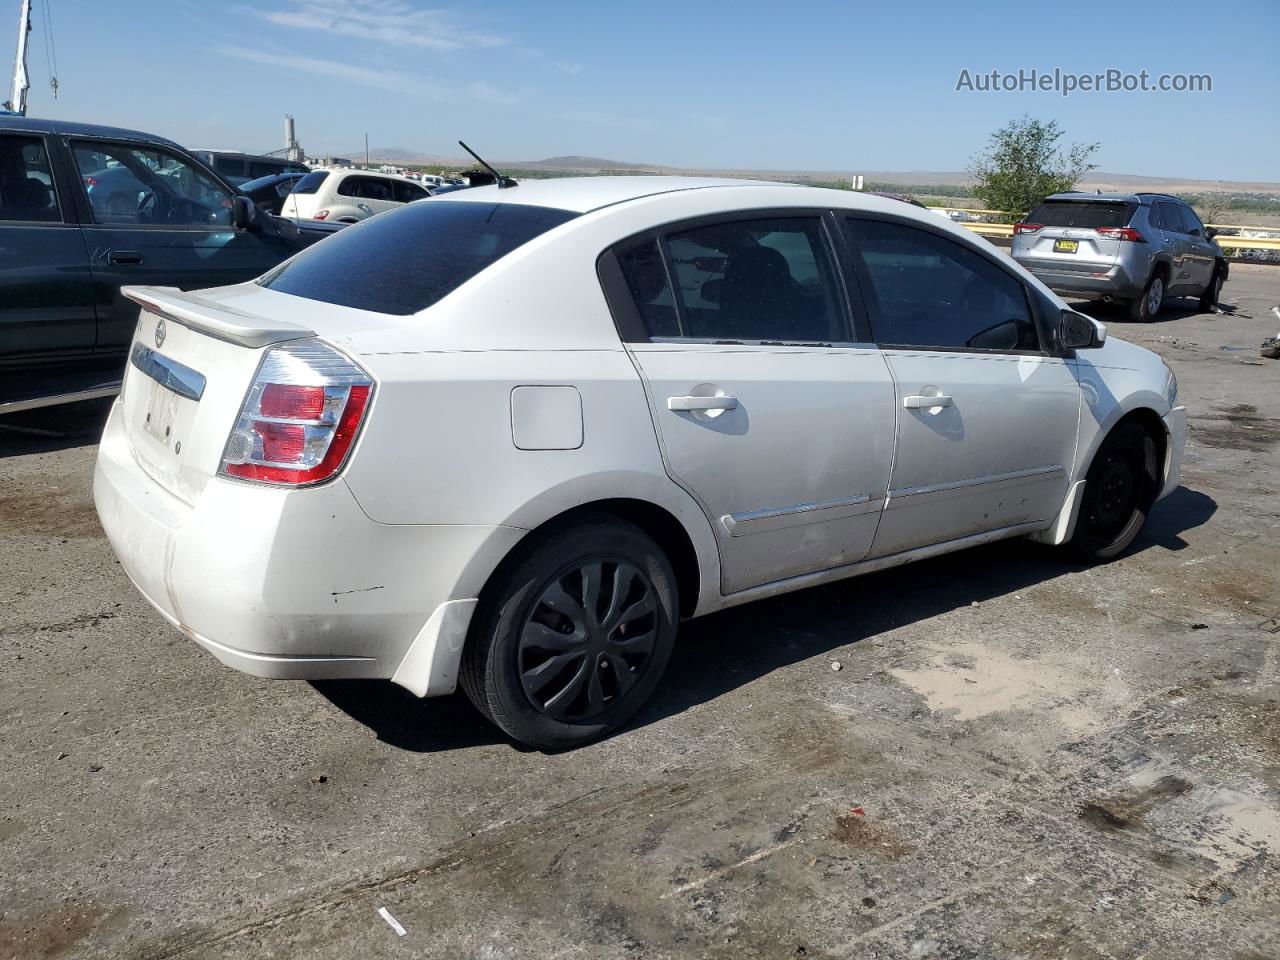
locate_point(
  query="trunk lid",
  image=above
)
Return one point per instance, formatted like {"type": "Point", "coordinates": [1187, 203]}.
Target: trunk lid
{"type": "Point", "coordinates": [191, 363]}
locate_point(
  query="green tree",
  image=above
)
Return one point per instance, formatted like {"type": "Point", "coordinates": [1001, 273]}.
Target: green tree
{"type": "Point", "coordinates": [1023, 164]}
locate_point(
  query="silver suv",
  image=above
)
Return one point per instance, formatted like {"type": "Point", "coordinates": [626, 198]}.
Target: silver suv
{"type": "Point", "coordinates": [1135, 249]}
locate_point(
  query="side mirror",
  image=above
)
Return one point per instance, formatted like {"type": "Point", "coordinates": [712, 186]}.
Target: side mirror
{"type": "Point", "coordinates": [1210, 233]}
{"type": "Point", "coordinates": [1078, 332]}
{"type": "Point", "coordinates": [243, 213]}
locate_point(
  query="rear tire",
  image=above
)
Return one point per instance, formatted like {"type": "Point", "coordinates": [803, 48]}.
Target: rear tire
{"type": "Point", "coordinates": [573, 637]}
{"type": "Point", "coordinates": [1213, 292]}
{"type": "Point", "coordinates": [1120, 488]}
{"type": "Point", "coordinates": [1147, 307]}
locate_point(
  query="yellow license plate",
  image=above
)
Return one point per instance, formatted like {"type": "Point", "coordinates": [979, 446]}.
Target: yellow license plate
{"type": "Point", "coordinates": [1066, 246]}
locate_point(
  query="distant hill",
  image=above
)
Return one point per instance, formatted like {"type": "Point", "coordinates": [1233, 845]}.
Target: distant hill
{"type": "Point", "coordinates": [923, 179]}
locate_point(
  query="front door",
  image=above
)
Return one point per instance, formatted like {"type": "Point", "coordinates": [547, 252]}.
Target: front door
{"type": "Point", "coordinates": [987, 420]}
{"type": "Point", "coordinates": [46, 297]}
{"type": "Point", "coordinates": [158, 219]}
{"type": "Point", "coordinates": [766, 411]}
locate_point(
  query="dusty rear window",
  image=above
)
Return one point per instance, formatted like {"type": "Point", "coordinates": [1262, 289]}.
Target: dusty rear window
{"type": "Point", "coordinates": [1088, 214]}
{"type": "Point", "coordinates": [405, 260]}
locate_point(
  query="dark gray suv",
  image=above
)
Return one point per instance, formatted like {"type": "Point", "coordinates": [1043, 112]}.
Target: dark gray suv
{"type": "Point", "coordinates": [1136, 249]}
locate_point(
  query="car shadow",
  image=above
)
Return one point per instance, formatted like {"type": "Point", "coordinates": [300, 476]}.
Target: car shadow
{"type": "Point", "coordinates": [1175, 308]}
{"type": "Point", "coordinates": [49, 429]}
{"type": "Point", "coordinates": [721, 652]}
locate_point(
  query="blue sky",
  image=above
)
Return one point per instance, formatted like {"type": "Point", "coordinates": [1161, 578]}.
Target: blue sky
{"type": "Point", "coordinates": [842, 86]}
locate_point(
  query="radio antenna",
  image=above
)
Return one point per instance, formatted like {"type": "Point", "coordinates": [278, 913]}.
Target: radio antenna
{"type": "Point", "coordinates": [498, 178]}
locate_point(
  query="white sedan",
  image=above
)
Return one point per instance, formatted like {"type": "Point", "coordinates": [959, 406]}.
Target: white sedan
{"type": "Point", "coordinates": [512, 437]}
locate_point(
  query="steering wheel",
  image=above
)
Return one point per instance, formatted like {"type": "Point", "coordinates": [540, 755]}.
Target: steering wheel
{"type": "Point", "coordinates": [148, 206]}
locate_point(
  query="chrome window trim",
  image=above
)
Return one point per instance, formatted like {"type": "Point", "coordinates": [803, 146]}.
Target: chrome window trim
{"type": "Point", "coordinates": [169, 373]}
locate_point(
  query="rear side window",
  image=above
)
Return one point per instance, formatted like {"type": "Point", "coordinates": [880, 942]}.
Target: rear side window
{"type": "Point", "coordinates": [366, 188]}
{"type": "Point", "coordinates": [26, 182]}
{"type": "Point", "coordinates": [647, 282]}
{"type": "Point", "coordinates": [934, 292]}
{"type": "Point", "coordinates": [311, 182]}
{"type": "Point", "coordinates": [407, 192]}
{"type": "Point", "coordinates": [768, 279]}
{"type": "Point", "coordinates": [405, 260]}
{"type": "Point", "coordinates": [1087, 214]}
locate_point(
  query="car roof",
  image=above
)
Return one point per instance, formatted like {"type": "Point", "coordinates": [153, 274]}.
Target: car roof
{"type": "Point", "coordinates": [584, 194]}
{"type": "Point", "coordinates": [68, 128]}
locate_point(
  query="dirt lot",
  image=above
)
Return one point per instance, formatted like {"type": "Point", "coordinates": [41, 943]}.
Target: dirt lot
{"type": "Point", "coordinates": [1020, 758]}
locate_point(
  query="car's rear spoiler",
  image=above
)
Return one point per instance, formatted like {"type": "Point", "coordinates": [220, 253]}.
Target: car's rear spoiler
{"type": "Point", "coordinates": [213, 319]}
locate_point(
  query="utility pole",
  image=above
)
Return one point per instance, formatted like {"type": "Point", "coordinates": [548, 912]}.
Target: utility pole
{"type": "Point", "coordinates": [21, 83]}
{"type": "Point", "coordinates": [366, 150]}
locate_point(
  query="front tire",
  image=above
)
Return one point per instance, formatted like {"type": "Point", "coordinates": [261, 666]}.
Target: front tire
{"type": "Point", "coordinates": [1119, 490]}
{"type": "Point", "coordinates": [1148, 306]}
{"type": "Point", "coordinates": [573, 637]}
{"type": "Point", "coordinates": [1213, 292]}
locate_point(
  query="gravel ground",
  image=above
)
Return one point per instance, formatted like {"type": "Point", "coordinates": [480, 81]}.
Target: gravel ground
{"type": "Point", "coordinates": [1020, 757]}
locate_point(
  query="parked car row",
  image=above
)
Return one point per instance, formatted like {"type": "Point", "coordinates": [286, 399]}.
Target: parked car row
{"type": "Point", "coordinates": [87, 209]}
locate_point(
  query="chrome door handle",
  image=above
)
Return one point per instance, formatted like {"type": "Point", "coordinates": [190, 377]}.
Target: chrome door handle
{"type": "Point", "coordinates": [924, 403]}
{"type": "Point", "coordinates": [702, 403]}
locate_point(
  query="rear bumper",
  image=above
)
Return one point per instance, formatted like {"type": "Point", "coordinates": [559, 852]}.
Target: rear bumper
{"type": "Point", "coordinates": [294, 584]}
{"type": "Point", "coordinates": [1175, 422]}
{"type": "Point", "coordinates": [1112, 280]}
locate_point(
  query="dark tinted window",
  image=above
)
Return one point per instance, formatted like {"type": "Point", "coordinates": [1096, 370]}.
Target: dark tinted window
{"type": "Point", "coordinates": [26, 183]}
{"type": "Point", "coordinates": [367, 188]}
{"type": "Point", "coordinates": [311, 182]}
{"type": "Point", "coordinates": [1170, 217]}
{"type": "Point", "coordinates": [935, 292]}
{"type": "Point", "coordinates": [1190, 220]}
{"type": "Point", "coordinates": [767, 279]}
{"type": "Point", "coordinates": [1088, 214]}
{"type": "Point", "coordinates": [646, 278]}
{"type": "Point", "coordinates": [405, 260]}
{"type": "Point", "coordinates": [229, 166]}
{"type": "Point", "coordinates": [407, 192]}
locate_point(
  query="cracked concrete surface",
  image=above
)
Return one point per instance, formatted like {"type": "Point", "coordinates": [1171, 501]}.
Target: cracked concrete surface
{"type": "Point", "coordinates": [1020, 758]}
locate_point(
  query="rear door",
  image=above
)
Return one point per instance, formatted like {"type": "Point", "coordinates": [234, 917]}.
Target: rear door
{"type": "Point", "coordinates": [369, 193]}
{"type": "Point", "coordinates": [987, 418]}
{"type": "Point", "coordinates": [165, 222]}
{"type": "Point", "coordinates": [769, 410]}
{"type": "Point", "coordinates": [46, 296]}
{"type": "Point", "coordinates": [1177, 243]}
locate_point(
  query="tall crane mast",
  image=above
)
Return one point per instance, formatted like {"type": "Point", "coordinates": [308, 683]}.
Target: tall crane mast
{"type": "Point", "coordinates": [21, 83]}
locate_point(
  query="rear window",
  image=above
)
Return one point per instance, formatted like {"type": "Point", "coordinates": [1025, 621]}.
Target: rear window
{"type": "Point", "coordinates": [1089, 214]}
{"type": "Point", "coordinates": [405, 260]}
{"type": "Point", "coordinates": [311, 182]}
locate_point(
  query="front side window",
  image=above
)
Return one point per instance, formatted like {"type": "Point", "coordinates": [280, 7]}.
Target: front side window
{"type": "Point", "coordinates": [766, 279]}
{"type": "Point", "coordinates": [406, 259]}
{"type": "Point", "coordinates": [131, 184]}
{"type": "Point", "coordinates": [934, 292]}
{"type": "Point", "coordinates": [407, 192]}
{"type": "Point", "coordinates": [26, 182]}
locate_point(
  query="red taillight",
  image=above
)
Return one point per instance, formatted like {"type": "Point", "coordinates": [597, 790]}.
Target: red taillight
{"type": "Point", "coordinates": [291, 402]}
{"type": "Point", "coordinates": [1027, 227]}
{"type": "Point", "coordinates": [320, 214]}
{"type": "Point", "coordinates": [90, 181]}
{"type": "Point", "coordinates": [1119, 233]}
{"type": "Point", "coordinates": [301, 416]}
